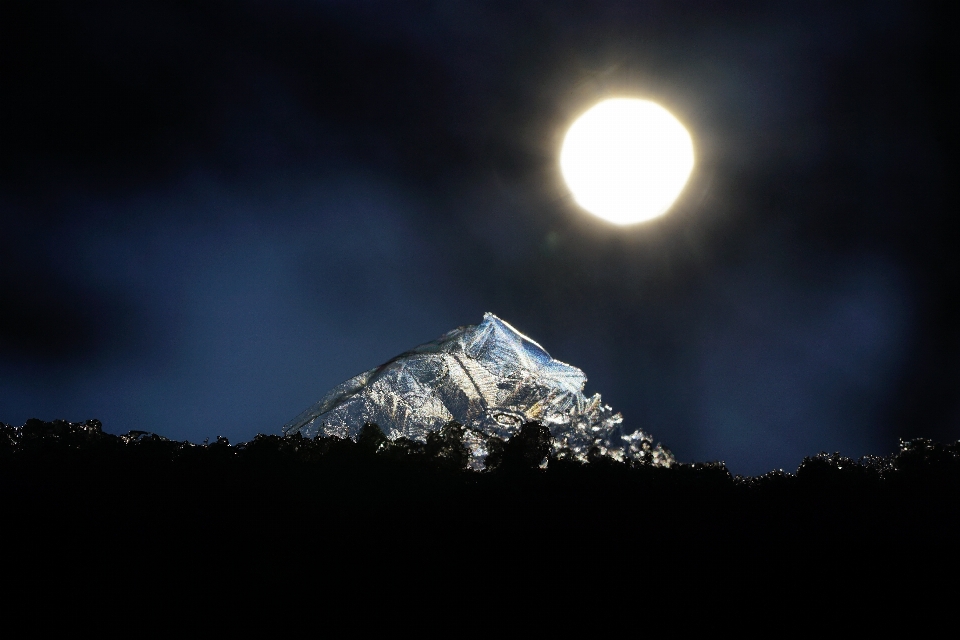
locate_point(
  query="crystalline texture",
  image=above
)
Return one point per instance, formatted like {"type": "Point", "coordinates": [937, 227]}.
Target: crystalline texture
{"type": "Point", "coordinates": [491, 379]}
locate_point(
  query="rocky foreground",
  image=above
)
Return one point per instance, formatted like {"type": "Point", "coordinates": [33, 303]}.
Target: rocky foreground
{"type": "Point", "coordinates": [71, 491]}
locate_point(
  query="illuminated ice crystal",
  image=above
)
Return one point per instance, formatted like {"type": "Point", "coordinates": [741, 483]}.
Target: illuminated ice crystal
{"type": "Point", "coordinates": [491, 379]}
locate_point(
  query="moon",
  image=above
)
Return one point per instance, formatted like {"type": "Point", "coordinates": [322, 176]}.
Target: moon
{"type": "Point", "coordinates": [626, 160]}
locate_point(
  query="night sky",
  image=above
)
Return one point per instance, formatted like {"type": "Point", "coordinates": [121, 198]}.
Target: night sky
{"type": "Point", "coordinates": [213, 212]}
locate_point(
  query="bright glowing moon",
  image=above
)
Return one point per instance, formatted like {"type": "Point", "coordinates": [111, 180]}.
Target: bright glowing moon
{"type": "Point", "coordinates": [626, 160]}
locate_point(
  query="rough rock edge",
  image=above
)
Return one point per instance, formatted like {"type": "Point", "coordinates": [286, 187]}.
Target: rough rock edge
{"type": "Point", "coordinates": [533, 448]}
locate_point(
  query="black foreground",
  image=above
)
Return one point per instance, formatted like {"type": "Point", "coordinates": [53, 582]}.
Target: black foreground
{"type": "Point", "coordinates": [72, 491]}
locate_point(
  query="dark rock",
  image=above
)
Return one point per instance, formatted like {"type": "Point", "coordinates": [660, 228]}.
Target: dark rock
{"type": "Point", "coordinates": [71, 486]}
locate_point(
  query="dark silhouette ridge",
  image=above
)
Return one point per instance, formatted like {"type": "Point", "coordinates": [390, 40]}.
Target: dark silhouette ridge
{"type": "Point", "coordinates": [71, 483]}
{"type": "Point", "coordinates": [139, 516]}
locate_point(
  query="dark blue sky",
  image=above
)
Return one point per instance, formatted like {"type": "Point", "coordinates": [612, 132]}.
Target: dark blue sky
{"type": "Point", "coordinates": [213, 212]}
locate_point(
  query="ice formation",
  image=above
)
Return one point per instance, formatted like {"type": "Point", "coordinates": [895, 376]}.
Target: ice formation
{"type": "Point", "coordinates": [491, 379]}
